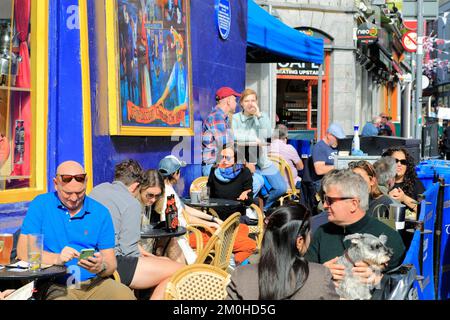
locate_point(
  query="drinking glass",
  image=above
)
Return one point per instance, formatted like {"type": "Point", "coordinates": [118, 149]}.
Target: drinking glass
{"type": "Point", "coordinates": [6, 244]}
{"type": "Point", "coordinates": [205, 194]}
{"type": "Point", "coordinates": [35, 246]}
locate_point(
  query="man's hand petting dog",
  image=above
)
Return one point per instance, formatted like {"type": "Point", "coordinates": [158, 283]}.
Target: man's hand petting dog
{"type": "Point", "coordinates": [361, 270]}
{"type": "Point", "coordinates": [337, 270]}
{"type": "Point", "coordinates": [366, 273]}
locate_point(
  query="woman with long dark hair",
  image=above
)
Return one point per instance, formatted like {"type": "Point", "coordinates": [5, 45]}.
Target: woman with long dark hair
{"type": "Point", "coordinates": [282, 271]}
{"type": "Point", "coordinates": [407, 185]}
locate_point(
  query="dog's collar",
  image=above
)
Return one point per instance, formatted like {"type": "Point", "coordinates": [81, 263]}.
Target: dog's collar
{"type": "Point", "coordinates": [348, 258]}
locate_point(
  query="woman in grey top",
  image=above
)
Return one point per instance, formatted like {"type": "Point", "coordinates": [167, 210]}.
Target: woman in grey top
{"type": "Point", "coordinates": [282, 272]}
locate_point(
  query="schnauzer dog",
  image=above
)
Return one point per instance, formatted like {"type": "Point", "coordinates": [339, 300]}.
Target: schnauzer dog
{"type": "Point", "coordinates": [369, 249]}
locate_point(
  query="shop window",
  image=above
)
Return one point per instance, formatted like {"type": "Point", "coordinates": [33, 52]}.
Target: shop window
{"type": "Point", "coordinates": [23, 92]}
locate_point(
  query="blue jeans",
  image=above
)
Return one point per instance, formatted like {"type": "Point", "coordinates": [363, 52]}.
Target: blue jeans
{"type": "Point", "coordinates": [258, 182]}
{"type": "Point", "coordinates": [206, 169]}
{"type": "Point", "coordinates": [279, 186]}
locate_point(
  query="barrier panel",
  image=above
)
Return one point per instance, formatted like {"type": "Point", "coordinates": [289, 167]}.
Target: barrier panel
{"type": "Point", "coordinates": [420, 252]}
{"type": "Point", "coordinates": [431, 170]}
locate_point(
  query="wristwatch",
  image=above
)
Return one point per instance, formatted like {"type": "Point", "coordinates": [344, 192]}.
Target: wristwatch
{"type": "Point", "coordinates": [104, 267]}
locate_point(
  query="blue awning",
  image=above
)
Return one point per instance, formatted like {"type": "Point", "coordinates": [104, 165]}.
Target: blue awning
{"type": "Point", "coordinates": [278, 41]}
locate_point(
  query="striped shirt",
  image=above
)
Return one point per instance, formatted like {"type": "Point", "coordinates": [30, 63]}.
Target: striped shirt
{"type": "Point", "coordinates": [216, 132]}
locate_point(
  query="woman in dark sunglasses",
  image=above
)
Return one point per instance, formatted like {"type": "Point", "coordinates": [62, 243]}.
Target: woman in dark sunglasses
{"type": "Point", "coordinates": [378, 202]}
{"type": "Point", "coordinates": [230, 180]}
{"type": "Point", "coordinates": [407, 185]}
{"type": "Point", "coordinates": [282, 272]}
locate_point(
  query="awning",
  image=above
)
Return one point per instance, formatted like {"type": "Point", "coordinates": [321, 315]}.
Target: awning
{"type": "Point", "coordinates": [270, 40]}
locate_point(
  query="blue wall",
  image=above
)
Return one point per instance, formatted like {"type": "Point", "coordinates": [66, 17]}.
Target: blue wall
{"type": "Point", "coordinates": [215, 63]}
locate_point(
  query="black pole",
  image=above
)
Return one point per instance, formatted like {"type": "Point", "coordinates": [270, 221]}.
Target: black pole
{"type": "Point", "coordinates": [437, 235]}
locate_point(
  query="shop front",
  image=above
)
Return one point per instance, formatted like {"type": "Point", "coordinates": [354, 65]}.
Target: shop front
{"type": "Point", "coordinates": [298, 90]}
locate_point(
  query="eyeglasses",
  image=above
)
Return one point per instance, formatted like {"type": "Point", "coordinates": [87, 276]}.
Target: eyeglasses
{"type": "Point", "coordinates": [228, 158]}
{"type": "Point", "coordinates": [66, 178]}
{"type": "Point", "coordinates": [150, 196]}
{"type": "Point", "coordinates": [402, 161]}
{"type": "Point", "coordinates": [330, 200]}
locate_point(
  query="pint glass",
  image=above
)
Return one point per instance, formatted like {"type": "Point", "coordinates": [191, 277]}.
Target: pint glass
{"type": "Point", "coordinates": [6, 244]}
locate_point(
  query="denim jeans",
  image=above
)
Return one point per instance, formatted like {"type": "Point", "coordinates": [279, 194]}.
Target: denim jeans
{"type": "Point", "coordinates": [258, 182]}
{"type": "Point", "coordinates": [278, 183]}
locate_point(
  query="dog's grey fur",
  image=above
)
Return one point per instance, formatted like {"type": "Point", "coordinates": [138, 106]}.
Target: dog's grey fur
{"type": "Point", "coordinates": [370, 249]}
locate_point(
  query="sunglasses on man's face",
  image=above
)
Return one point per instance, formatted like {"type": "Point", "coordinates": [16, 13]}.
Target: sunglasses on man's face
{"type": "Point", "coordinates": [330, 200]}
{"type": "Point", "coordinates": [66, 178]}
{"type": "Point", "coordinates": [402, 161]}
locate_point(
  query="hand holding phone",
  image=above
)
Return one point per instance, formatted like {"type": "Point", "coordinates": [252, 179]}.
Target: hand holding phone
{"type": "Point", "coordinates": [86, 253]}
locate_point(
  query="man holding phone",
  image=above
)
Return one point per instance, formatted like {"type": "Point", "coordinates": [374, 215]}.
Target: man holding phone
{"type": "Point", "coordinates": [72, 222]}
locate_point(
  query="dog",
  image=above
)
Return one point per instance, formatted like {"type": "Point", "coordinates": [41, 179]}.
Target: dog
{"type": "Point", "coordinates": [369, 249]}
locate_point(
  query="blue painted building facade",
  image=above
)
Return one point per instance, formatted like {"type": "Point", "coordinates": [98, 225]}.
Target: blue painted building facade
{"type": "Point", "coordinates": [215, 63]}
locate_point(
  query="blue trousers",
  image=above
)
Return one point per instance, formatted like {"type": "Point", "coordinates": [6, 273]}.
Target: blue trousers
{"type": "Point", "coordinates": [279, 186]}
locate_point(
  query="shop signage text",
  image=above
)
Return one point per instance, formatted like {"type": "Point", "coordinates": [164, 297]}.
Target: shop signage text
{"type": "Point", "coordinates": [367, 33]}
{"type": "Point", "coordinates": [298, 69]}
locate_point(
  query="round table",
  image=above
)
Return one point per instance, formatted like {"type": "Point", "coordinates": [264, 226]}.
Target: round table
{"type": "Point", "coordinates": [213, 203]}
{"type": "Point", "coordinates": [150, 232]}
{"type": "Point", "coordinates": [50, 272]}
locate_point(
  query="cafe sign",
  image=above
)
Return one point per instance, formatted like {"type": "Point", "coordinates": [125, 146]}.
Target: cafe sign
{"type": "Point", "coordinates": [298, 69]}
{"type": "Point", "coordinates": [367, 33]}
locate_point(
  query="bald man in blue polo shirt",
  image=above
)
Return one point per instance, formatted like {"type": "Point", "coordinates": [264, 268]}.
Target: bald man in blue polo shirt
{"type": "Point", "coordinates": [71, 221]}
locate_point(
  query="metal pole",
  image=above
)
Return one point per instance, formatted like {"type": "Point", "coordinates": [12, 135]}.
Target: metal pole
{"type": "Point", "coordinates": [272, 79]}
{"type": "Point", "coordinates": [419, 55]}
{"type": "Point", "coordinates": [319, 104]}
{"type": "Point", "coordinates": [406, 111]}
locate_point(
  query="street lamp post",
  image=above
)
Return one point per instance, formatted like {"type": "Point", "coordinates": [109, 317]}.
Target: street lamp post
{"type": "Point", "coordinates": [419, 57]}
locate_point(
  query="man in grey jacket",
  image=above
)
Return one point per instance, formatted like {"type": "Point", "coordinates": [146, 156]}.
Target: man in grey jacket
{"type": "Point", "coordinates": [137, 268]}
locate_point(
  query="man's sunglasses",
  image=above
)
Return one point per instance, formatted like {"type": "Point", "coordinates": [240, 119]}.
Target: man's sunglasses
{"type": "Point", "coordinates": [402, 161]}
{"type": "Point", "coordinates": [66, 178]}
{"type": "Point", "coordinates": [150, 196]}
{"type": "Point", "coordinates": [330, 200]}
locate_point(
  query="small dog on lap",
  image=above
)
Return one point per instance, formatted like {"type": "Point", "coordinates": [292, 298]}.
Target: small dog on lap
{"type": "Point", "coordinates": [369, 249]}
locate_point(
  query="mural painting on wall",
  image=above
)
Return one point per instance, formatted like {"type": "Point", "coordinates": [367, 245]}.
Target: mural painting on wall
{"type": "Point", "coordinates": [155, 71]}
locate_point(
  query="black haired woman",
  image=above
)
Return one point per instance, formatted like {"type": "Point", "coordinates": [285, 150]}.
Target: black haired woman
{"type": "Point", "coordinates": [282, 272]}
{"type": "Point", "coordinates": [407, 185]}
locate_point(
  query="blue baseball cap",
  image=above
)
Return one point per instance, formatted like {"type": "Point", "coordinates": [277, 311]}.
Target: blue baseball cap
{"type": "Point", "coordinates": [170, 164]}
{"type": "Point", "coordinates": [336, 130]}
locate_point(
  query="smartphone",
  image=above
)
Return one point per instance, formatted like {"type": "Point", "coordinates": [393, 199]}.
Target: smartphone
{"type": "Point", "coordinates": [86, 253]}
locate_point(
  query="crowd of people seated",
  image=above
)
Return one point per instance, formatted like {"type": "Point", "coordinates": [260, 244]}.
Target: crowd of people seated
{"type": "Point", "coordinates": [292, 263]}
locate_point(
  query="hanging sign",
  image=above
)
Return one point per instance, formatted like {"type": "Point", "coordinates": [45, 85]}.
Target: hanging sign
{"type": "Point", "coordinates": [409, 41]}
{"type": "Point", "coordinates": [367, 33]}
{"type": "Point", "coordinates": [223, 17]}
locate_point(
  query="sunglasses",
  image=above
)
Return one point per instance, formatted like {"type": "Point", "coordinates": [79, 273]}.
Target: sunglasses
{"type": "Point", "coordinates": [66, 178]}
{"type": "Point", "coordinates": [228, 158]}
{"type": "Point", "coordinates": [402, 161]}
{"type": "Point", "coordinates": [150, 196]}
{"type": "Point", "coordinates": [330, 200]}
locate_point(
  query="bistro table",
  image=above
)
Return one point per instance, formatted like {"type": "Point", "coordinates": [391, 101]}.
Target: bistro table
{"type": "Point", "coordinates": [20, 274]}
{"type": "Point", "coordinates": [150, 231]}
{"type": "Point", "coordinates": [214, 203]}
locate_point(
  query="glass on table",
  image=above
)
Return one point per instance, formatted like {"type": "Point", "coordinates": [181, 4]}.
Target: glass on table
{"type": "Point", "coordinates": [35, 245]}
{"type": "Point", "coordinates": [6, 244]}
{"type": "Point", "coordinates": [205, 194]}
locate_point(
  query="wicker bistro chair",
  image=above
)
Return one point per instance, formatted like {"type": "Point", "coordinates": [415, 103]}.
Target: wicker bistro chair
{"type": "Point", "coordinates": [198, 183]}
{"type": "Point", "coordinates": [198, 282]}
{"type": "Point", "coordinates": [257, 230]}
{"type": "Point", "coordinates": [292, 192]}
{"type": "Point", "coordinates": [218, 249]}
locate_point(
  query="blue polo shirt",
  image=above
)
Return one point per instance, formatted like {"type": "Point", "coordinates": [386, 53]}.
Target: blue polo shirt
{"type": "Point", "coordinates": [92, 227]}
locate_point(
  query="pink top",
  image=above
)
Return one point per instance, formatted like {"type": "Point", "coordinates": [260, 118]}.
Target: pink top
{"type": "Point", "coordinates": [288, 153]}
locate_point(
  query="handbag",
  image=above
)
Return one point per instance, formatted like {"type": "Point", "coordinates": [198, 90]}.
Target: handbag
{"type": "Point", "coordinates": [398, 284]}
